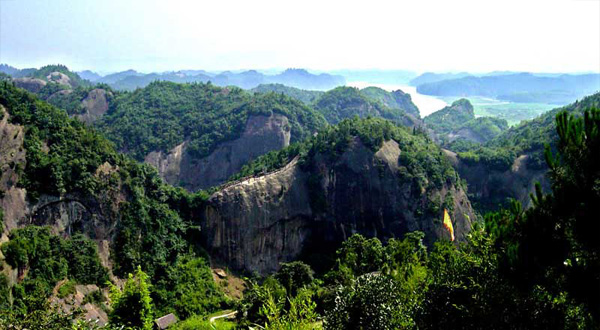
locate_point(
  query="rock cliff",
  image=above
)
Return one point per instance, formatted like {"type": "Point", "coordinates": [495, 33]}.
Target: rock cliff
{"type": "Point", "coordinates": [261, 135]}
{"type": "Point", "coordinates": [94, 105]}
{"type": "Point", "coordinates": [257, 223]}
{"type": "Point", "coordinates": [492, 188]}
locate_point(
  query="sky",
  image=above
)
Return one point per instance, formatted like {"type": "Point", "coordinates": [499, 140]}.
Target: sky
{"type": "Point", "coordinates": [417, 35]}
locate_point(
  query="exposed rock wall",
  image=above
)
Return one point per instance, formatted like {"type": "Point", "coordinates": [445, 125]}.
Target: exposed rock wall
{"type": "Point", "coordinates": [95, 105]}
{"type": "Point", "coordinates": [65, 214]}
{"type": "Point", "coordinates": [261, 135]}
{"type": "Point", "coordinates": [12, 157]}
{"type": "Point", "coordinates": [493, 187]}
{"type": "Point", "coordinates": [33, 85]}
{"type": "Point", "coordinates": [258, 223]}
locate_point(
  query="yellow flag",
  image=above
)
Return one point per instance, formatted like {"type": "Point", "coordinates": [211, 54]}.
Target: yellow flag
{"type": "Point", "coordinates": [448, 224]}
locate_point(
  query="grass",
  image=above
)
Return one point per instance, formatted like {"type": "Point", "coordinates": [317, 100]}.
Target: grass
{"type": "Point", "coordinates": [202, 323]}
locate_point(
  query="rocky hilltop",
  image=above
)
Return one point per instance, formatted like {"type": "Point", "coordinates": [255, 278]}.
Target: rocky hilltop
{"type": "Point", "coordinates": [458, 122]}
{"type": "Point", "coordinates": [376, 189]}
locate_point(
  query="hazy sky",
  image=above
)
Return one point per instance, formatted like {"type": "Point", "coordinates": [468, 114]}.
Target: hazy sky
{"type": "Point", "coordinates": [147, 35]}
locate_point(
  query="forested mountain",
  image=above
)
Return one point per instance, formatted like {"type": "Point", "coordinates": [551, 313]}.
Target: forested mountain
{"type": "Point", "coordinates": [183, 129]}
{"type": "Point", "coordinates": [520, 87]}
{"type": "Point", "coordinates": [394, 100]}
{"type": "Point", "coordinates": [198, 135]}
{"type": "Point", "coordinates": [58, 173]}
{"type": "Point", "coordinates": [509, 165]}
{"type": "Point", "coordinates": [76, 213]}
{"type": "Point", "coordinates": [298, 78]}
{"type": "Point", "coordinates": [346, 102]}
{"type": "Point", "coordinates": [306, 96]}
{"type": "Point", "coordinates": [458, 122]}
{"type": "Point", "coordinates": [361, 175]}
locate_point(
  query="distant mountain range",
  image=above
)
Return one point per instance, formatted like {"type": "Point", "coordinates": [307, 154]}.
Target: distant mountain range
{"type": "Point", "coordinates": [299, 78]}
{"type": "Point", "coordinates": [550, 88]}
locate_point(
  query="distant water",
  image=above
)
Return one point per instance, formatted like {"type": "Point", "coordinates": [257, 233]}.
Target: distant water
{"type": "Point", "coordinates": [426, 104]}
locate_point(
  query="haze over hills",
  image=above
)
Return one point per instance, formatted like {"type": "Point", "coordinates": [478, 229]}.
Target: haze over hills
{"type": "Point", "coordinates": [521, 87]}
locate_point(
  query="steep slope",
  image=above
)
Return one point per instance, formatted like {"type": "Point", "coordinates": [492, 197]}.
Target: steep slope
{"type": "Point", "coordinates": [346, 102]}
{"type": "Point", "coordinates": [393, 100]}
{"type": "Point", "coordinates": [74, 211]}
{"type": "Point", "coordinates": [509, 165]}
{"type": "Point", "coordinates": [367, 176]}
{"type": "Point", "coordinates": [449, 118]}
{"type": "Point", "coordinates": [198, 135]}
{"type": "Point", "coordinates": [458, 121]}
{"type": "Point", "coordinates": [66, 90]}
{"type": "Point", "coordinates": [57, 172]}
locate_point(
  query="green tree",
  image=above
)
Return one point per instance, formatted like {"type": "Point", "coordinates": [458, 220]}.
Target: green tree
{"type": "Point", "coordinates": [133, 306]}
{"type": "Point", "coordinates": [369, 303]}
{"type": "Point", "coordinates": [294, 275]}
{"type": "Point", "coordinates": [554, 244]}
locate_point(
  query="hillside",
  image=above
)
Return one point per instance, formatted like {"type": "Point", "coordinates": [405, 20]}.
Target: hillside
{"type": "Point", "coordinates": [458, 122]}
{"type": "Point", "coordinates": [393, 100]}
{"type": "Point", "coordinates": [58, 173]}
{"type": "Point", "coordinates": [372, 206]}
{"type": "Point", "coordinates": [198, 135]}
{"type": "Point", "coordinates": [306, 96]}
{"type": "Point", "coordinates": [66, 90]}
{"type": "Point", "coordinates": [346, 102]}
{"type": "Point", "coordinates": [367, 176]}
{"type": "Point", "coordinates": [509, 165]}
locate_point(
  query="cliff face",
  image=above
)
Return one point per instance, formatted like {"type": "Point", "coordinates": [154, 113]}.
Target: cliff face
{"type": "Point", "coordinates": [93, 215]}
{"type": "Point", "coordinates": [261, 135]}
{"type": "Point", "coordinates": [12, 157]}
{"type": "Point", "coordinates": [492, 187]}
{"type": "Point", "coordinates": [257, 223]}
{"type": "Point", "coordinates": [95, 105]}
{"type": "Point", "coordinates": [33, 85]}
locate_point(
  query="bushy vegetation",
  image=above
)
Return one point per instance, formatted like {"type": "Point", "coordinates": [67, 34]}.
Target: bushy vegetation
{"type": "Point", "coordinates": [62, 154]}
{"type": "Point", "coordinates": [451, 117]}
{"type": "Point", "coordinates": [534, 269]}
{"type": "Point", "coordinates": [45, 71]}
{"type": "Point", "coordinates": [394, 100]}
{"type": "Point", "coordinates": [346, 102]}
{"type": "Point", "coordinates": [132, 306]}
{"type": "Point", "coordinates": [153, 227]}
{"type": "Point", "coordinates": [165, 114]}
{"type": "Point", "coordinates": [524, 269]}
{"type": "Point", "coordinates": [419, 159]}
{"type": "Point", "coordinates": [46, 259]}
{"type": "Point", "coordinates": [306, 96]}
